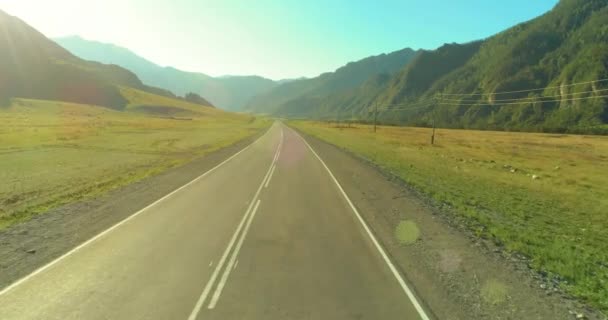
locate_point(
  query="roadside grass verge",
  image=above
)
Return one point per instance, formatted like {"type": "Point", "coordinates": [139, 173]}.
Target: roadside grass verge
{"type": "Point", "coordinates": [54, 153]}
{"type": "Point", "coordinates": [541, 195]}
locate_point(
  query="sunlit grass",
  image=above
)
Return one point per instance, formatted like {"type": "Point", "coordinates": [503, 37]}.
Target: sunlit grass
{"type": "Point", "coordinates": [559, 220]}
{"type": "Point", "coordinates": [52, 153]}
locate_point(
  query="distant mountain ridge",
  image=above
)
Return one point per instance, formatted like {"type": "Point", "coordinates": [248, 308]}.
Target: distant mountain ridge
{"type": "Point", "coordinates": [34, 67]}
{"type": "Point", "coordinates": [227, 92]}
{"type": "Point", "coordinates": [304, 95]}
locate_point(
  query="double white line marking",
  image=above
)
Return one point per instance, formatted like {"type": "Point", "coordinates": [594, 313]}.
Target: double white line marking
{"type": "Point", "coordinates": [274, 166]}
{"type": "Point", "coordinates": [246, 223]}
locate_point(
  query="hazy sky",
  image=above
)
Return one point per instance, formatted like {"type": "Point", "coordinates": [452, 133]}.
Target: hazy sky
{"type": "Point", "coordinates": [272, 38]}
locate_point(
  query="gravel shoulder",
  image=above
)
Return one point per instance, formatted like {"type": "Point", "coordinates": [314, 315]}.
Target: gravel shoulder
{"type": "Point", "coordinates": [27, 246]}
{"type": "Point", "coordinates": [457, 275]}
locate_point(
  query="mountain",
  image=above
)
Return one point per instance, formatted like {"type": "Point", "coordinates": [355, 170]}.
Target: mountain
{"type": "Point", "coordinates": [302, 95]}
{"type": "Point", "coordinates": [227, 92]}
{"type": "Point", "coordinates": [567, 45]}
{"type": "Point", "coordinates": [32, 66]}
{"type": "Point", "coordinates": [547, 74]}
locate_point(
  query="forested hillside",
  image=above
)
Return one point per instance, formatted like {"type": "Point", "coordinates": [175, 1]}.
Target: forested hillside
{"type": "Point", "coordinates": [563, 54]}
{"type": "Point", "coordinates": [546, 74]}
{"type": "Point", "coordinates": [303, 96]}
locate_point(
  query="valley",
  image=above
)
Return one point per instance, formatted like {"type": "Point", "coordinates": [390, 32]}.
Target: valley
{"type": "Point", "coordinates": [462, 180]}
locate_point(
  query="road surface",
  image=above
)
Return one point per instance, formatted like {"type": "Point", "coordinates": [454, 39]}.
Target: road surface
{"type": "Point", "coordinates": [267, 234]}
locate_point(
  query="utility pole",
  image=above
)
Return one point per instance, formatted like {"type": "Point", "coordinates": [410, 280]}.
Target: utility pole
{"type": "Point", "coordinates": [434, 118]}
{"type": "Point", "coordinates": [375, 115]}
{"type": "Point", "coordinates": [433, 134]}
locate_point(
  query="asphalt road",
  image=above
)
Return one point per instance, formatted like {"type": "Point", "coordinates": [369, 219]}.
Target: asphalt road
{"type": "Point", "coordinates": [267, 234]}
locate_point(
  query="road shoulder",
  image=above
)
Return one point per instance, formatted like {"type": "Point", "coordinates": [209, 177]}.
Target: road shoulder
{"type": "Point", "coordinates": [458, 276]}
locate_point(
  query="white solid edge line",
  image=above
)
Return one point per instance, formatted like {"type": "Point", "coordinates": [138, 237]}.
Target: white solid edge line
{"type": "Point", "coordinates": [103, 233]}
{"type": "Point", "coordinates": [209, 286]}
{"type": "Point", "coordinates": [388, 261]}
{"type": "Point", "coordinates": [235, 253]}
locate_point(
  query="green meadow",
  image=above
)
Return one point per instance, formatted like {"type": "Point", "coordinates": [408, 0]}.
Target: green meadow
{"type": "Point", "coordinates": [544, 196]}
{"type": "Point", "coordinates": [53, 153]}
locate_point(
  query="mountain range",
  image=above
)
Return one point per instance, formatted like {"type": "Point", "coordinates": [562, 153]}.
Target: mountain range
{"type": "Point", "coordinates": [228, 92]}
{"type": "Point", "coordinates": [304, 95]}
{"type": "Point", "coordinates": [237, 93]}
{"type": "Point", "coordinates": [547, 74]}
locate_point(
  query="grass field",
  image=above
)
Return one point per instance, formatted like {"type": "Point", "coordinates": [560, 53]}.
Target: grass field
{"type": "Point", "coordinates": [52, 153]}
{"type": "Point", "coordinates": [542, 195]}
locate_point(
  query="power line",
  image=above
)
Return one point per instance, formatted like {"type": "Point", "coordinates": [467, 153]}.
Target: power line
{"type": "Point", "coordinates": [409, 108]}
{"type": "Point", "coordinates": [458, 102]}
{"type": "Point", "coordinates": [418, 104]}
{"type": "Point", "coordinates": [515, 103]}
{"type": "Point", "coordinates": [529, 98]}
{"type": "Point", "coordinates": [527, 90]}
{"type": "Point", "coordinates": [406, 109]}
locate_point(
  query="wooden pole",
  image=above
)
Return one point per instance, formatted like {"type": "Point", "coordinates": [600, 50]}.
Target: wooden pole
{"type": "Point", "coordinates": [375, 115]}
{"type": "Point", "coordinates": [433, 134]}
{"type": "Point", "coordinates": [433, 114]}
